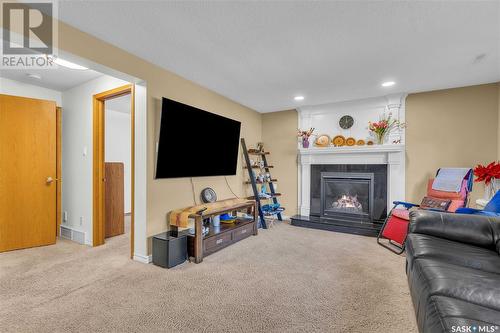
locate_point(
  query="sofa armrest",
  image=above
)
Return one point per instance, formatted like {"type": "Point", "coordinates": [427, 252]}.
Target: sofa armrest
{"type": "Point", "coordinates": [477, 230]}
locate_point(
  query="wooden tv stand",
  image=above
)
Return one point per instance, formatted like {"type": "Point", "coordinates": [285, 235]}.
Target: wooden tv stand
{"type": "Point", "coordinates": [200, 246]}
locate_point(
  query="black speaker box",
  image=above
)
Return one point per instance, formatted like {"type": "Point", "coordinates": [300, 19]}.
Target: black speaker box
{"type": "Point", "coordinates": [169, 249]}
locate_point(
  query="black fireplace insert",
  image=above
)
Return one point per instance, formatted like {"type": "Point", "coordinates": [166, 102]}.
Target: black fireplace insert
{"type": "Point", "coordinates": [347, 196]}
{"type": "Point", "coordinates": [378, 200]}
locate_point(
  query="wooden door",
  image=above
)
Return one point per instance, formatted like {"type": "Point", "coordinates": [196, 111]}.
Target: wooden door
{"type": "Point", "coordinates": [27, 172]}
{"type": "Point", "coordinates": [114, 203]}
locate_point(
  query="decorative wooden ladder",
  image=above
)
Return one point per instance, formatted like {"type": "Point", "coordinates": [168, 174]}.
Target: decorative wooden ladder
{"type": "Point", "coordinates": [253, 181]}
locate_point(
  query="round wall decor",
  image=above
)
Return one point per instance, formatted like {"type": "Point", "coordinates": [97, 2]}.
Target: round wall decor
{"type": "Point", "coordinates": [208, 195]}
{"type": "Point", "coordinates": [346, 122]}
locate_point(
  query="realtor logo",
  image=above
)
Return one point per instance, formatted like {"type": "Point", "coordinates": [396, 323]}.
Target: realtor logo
{"type": "Point", "coordinates": [29, 34]}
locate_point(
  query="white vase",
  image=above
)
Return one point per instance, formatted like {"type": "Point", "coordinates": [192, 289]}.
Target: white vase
{"type": "Point", "coordinates": [491, 189]}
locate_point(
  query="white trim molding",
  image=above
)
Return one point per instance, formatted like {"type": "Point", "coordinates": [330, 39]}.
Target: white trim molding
{"type": "Point", "coordinates": [144, 259]}
{"type": "Point", "coordinates": [140, 195]}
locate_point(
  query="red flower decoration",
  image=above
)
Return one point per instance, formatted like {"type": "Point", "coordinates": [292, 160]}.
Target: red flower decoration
{"type": "Point", "coordinates": [487, 173]}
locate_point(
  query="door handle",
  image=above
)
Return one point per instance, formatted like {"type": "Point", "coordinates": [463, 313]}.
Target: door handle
{"type": "Point", "coordinates": [50, 180]}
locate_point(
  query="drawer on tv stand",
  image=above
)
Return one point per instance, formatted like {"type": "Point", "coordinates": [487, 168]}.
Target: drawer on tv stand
{"type": "Point", "coordinates": [217, 242]}
{"type": "Point", "coordinates": [243, 232]}
{"type": "Point", "coordinates": [213, 243]}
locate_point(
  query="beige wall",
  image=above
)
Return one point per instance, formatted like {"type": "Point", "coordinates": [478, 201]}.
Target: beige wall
{"type": "Point", "coordinates": [165, 195]}
{"type": "Point", "coordinates": [449, 128]}
{"type": "Point", "coordinates": [279, 134]}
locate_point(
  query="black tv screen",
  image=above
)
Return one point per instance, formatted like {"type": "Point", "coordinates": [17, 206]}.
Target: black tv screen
{"type": "Point", "coordinates": [195, 143]}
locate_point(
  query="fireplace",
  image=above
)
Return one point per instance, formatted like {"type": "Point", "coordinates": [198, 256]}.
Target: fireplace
{"type": "Point", "coordinates": [347, 196]}
{"type": "Point", "coordinates": [386, 161]}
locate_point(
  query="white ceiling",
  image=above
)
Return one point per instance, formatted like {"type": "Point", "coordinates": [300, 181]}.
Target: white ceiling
{"type": "Point", "coordinates": [60, 78]}
{"type": "Point", "coordinates": [119, 104]}
{"type": "Point", "coordinates": [261, 54]}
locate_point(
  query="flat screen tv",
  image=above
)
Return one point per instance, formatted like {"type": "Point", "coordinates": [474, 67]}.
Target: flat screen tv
{"type": "Point", "coordinates": [195, 143]}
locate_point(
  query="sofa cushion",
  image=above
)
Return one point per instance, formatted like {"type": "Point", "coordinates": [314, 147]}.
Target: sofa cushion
{"type": "Point", "coordinates": [433, 277]}
{"type": "Point", "coordinates": [446, 314]}
{"type": "Point", "coordinates": [425, 246]}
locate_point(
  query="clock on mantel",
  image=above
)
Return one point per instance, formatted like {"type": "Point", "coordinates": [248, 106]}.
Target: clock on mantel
{"type": "Point", "coordinates": [346, 122]}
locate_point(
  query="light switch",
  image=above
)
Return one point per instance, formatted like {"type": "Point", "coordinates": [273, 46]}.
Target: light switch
{"type": "Point", "coordinates": [85, 151]}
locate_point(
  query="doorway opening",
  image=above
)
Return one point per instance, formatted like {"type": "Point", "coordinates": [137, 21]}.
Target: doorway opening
{"type": "Point", "coordinates": [113, 164]}
{"type": "Point", "coordinates": [78, 96]}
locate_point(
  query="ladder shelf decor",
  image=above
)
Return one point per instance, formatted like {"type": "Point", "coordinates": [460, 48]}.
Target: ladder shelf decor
{"type": "Point", "coordinates": [265, 180]}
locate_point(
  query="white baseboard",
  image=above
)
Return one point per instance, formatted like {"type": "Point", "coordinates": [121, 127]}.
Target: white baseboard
{"type": "Point", "coordinates": [142, 258]}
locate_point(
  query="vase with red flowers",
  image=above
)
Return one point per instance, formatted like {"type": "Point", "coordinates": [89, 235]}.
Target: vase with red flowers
{"type": "Point", "coordinates": [304, 135]}
{"type": "Point", "coordinates": [490, 175]}
{"type": "Point", "coordinates": [383, 127]}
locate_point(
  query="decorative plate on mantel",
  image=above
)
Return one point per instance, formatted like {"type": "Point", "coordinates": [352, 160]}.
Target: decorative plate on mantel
{"type": "Point", "coordinates": [350, 142]}
{"type": "Point", "coordinates": [338, 141]}
{"type": "Point", "coordinates": [322, 141]}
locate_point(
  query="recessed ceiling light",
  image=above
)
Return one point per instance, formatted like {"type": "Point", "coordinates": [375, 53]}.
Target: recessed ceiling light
{"type": "Point", "coordinates": [68, 64]}
{"type": "Point", "coordinates": [299, 98]}
{"type": "Point", "coordinates": [34, 76]}
{"type": "Point", "coordinates": [388, 84]}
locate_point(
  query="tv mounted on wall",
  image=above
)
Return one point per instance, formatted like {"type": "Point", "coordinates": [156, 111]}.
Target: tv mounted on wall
{"type": "Point", "coordinates": [195, 143]}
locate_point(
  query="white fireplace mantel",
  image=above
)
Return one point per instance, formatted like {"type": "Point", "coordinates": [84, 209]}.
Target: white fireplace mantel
{"type": "Point", "coordinates": [325, 119]}
{"type": "Point", "coordinates": [393, 155]}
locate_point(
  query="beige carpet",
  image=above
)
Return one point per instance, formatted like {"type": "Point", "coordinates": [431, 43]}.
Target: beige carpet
{"type": "Point", "coordinates": [287, 279]}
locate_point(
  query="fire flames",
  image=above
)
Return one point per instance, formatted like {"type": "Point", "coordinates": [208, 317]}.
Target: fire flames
{"type": "Point", "coordinates": [348, 202]}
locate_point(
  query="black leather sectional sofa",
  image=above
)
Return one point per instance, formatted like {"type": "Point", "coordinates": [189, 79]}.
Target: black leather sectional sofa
{"type": "Point", "coordinates": [453, 268]}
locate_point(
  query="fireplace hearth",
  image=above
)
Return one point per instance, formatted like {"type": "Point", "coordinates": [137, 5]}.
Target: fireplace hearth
{"type": "Point", "coordinates": [349, 198]}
